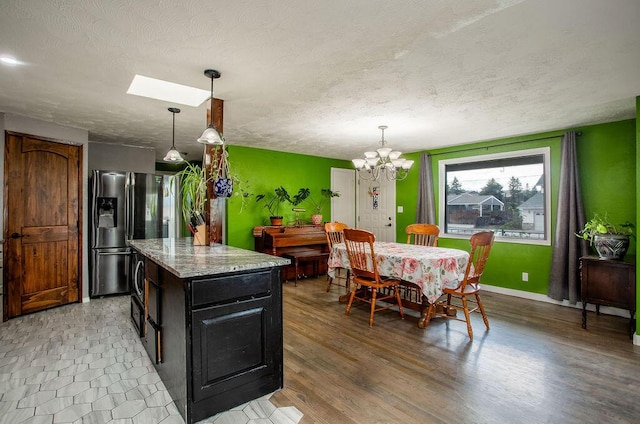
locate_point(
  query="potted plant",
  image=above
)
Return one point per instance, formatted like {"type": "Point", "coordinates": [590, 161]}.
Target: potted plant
{"type": "Point", "coordinates": [281, 195]}
{"type": "Point", "coordinates": [325, 195]}
{"type": "Point", "coordinates": [220, 174]}
{"type": "Point", "coordinates": [610, 241]}
{"type": "Point", "coordinates": [193, 198]}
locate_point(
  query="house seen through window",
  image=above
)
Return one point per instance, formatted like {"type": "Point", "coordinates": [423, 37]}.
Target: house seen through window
{"type": "Point", "coordinates": [506, 193]}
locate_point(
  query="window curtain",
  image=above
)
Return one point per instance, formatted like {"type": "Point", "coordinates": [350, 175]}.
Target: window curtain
{"type": "Point", "coordinates": [426, 210]}
{"type": "Point", "coordinates": [564, 281]}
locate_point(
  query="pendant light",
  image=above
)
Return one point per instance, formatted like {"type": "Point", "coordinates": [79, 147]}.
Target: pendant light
{"type": "Point", "coordinates": [173, 155]}
{"type": "Point", "coordinates": [210, 134]}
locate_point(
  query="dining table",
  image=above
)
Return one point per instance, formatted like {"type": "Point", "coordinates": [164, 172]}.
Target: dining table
{"type": "Point", "coordinates": [423, 271]}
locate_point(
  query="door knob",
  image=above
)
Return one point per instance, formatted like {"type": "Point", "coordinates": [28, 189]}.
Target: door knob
{"type": "Point", "coordinates": [388, 225]}
{"type": "Point", "coordinates": [16, 235]}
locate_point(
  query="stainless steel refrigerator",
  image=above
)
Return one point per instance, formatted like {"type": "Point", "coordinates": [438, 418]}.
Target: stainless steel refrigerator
{"type": "Point", "coordinates": [124, 206]}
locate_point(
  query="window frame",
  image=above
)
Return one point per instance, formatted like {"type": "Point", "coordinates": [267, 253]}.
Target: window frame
{"type": "Point", "coordinates": [546, 154]}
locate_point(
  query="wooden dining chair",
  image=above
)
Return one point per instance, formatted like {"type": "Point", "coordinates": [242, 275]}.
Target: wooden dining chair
{"type": "Point", "coordinates": [334, 230]}
{"type": "Point", "coordinates": [468, 286]}
{"type": "Point", "coordinates": [423, 234]}
{"type": "Point", "coordinates": [362, 260]}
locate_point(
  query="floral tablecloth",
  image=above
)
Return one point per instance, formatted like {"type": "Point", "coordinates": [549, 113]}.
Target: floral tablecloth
{"type": "Point", "coordinates": [430, 268]}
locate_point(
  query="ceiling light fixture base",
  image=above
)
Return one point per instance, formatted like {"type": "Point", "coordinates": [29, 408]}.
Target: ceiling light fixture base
{"type": "Point", "coordinates": [212, 73]}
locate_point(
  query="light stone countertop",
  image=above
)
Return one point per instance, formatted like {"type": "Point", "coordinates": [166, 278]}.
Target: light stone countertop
{"type": "Point", "coordinates": [185, 260]}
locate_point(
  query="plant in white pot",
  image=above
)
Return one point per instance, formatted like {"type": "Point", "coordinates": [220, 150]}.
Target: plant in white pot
{"type": "Point", "coordinates": [610, 241]}
{"type": "Point", "coordinates": [325, 195]}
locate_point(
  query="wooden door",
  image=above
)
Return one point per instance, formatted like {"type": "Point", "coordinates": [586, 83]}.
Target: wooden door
{"type": "Point", "coordinates": [42, 220]}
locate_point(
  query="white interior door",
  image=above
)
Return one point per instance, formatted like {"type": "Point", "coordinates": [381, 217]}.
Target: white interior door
{"type": "Point", "coordinates": [376, 208]}
{"type": "Point", "coordinates": [343, 208]}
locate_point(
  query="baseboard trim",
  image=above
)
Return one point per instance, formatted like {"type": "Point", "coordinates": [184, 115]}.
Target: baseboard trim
{"type": "Point", "coordinates": [544, 298]}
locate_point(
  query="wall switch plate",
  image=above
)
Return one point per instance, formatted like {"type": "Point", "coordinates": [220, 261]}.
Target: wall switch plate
{"type": "Point", "coordinates": [525, 276]}
{"type": "Point", "coordinates": [400, 209]}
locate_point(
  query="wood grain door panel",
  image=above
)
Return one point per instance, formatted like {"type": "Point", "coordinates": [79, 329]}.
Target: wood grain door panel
{"type": "Point", "coordinates": [42, 237]}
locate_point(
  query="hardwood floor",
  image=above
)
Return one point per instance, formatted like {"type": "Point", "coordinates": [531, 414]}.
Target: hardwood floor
{"type": "Point", "coordinates": [535, 365]}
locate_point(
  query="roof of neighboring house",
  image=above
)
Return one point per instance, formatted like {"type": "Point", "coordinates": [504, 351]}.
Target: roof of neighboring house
{"type": "Point", "coordinates": [473, 199]}
{"type": "Point", "coordinates": [534, 202]}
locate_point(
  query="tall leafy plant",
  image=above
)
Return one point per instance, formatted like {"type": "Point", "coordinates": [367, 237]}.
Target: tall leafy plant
{"type": "Point", "coordinates": [281, 195]}
{"type": "Point", "coordinates": [193, 194]}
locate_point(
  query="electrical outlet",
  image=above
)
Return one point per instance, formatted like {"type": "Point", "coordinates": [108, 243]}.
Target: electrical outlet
{"type": "Point", "coordinates": [525, 276]}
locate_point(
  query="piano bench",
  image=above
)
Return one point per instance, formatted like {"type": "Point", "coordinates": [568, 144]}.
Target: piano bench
{"type": "Point", "coordinates": [305, 255]}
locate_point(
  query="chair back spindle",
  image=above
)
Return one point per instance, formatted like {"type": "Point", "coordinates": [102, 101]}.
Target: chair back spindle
{"type": "Point", "coordinates": [334, 232]}
{"type": "Point", "coordinates": [423, 234]}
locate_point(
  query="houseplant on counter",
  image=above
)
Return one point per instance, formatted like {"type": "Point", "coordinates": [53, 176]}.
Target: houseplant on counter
{"type": "Point", "coordinates": [281, 195]}
{"type": "Point", "coordinates": [610, 241]}
{"type": "Point", "coordinates": [193, 200]}
{"type": "Point", "coordinates": [325, 195]}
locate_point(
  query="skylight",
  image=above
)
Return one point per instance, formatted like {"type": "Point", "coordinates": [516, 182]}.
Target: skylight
{"type": "Point", "coordinates": [168, 91]}
{"type": "Point", "coordinates": [9, 60]}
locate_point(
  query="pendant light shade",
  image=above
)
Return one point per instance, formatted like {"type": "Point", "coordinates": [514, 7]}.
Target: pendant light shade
{"type": "Point", "coordinates": [210, 134]}
{"type": "Point", "coordinates": [173, 155]}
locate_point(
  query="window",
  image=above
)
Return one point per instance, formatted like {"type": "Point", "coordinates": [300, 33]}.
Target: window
{"type": "Point", "coordinates": [507, 193]}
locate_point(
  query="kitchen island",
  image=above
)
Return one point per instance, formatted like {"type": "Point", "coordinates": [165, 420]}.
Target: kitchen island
{"type": "Point", "coordinates": [212, 323]}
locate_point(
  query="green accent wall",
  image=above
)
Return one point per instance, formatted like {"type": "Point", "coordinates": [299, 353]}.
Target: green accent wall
{"type": "Point", "coordinates": [607, 158]}
{"type": "Point", "coordinates": [261, 171]}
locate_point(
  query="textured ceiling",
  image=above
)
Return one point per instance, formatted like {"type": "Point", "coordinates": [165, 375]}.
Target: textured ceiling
{"type": "Point", "coordinates": [319, 77]}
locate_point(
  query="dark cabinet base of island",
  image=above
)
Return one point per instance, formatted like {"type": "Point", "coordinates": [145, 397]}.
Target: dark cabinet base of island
{"type": "Point", "coordinates": [216, 341]}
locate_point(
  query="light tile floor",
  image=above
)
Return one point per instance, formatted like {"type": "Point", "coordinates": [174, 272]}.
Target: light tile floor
{"type": "Point", "coordinates": [84, 364]}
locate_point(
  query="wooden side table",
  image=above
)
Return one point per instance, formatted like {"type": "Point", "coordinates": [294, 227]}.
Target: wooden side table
{"type": "Point", "coordinates": [610, 283]}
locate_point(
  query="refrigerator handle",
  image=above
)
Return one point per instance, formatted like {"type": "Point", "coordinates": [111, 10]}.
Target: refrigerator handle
{"type": "Point", "coordinates": [128, 206]}
{"type": "Point", "coordinates": [126, 253]}
{"type": "Point", "coordinates": [95, 193]}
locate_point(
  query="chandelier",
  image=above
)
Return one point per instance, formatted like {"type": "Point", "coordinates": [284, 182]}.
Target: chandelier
{"type": "Point", "coordinates": [384, 161]}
